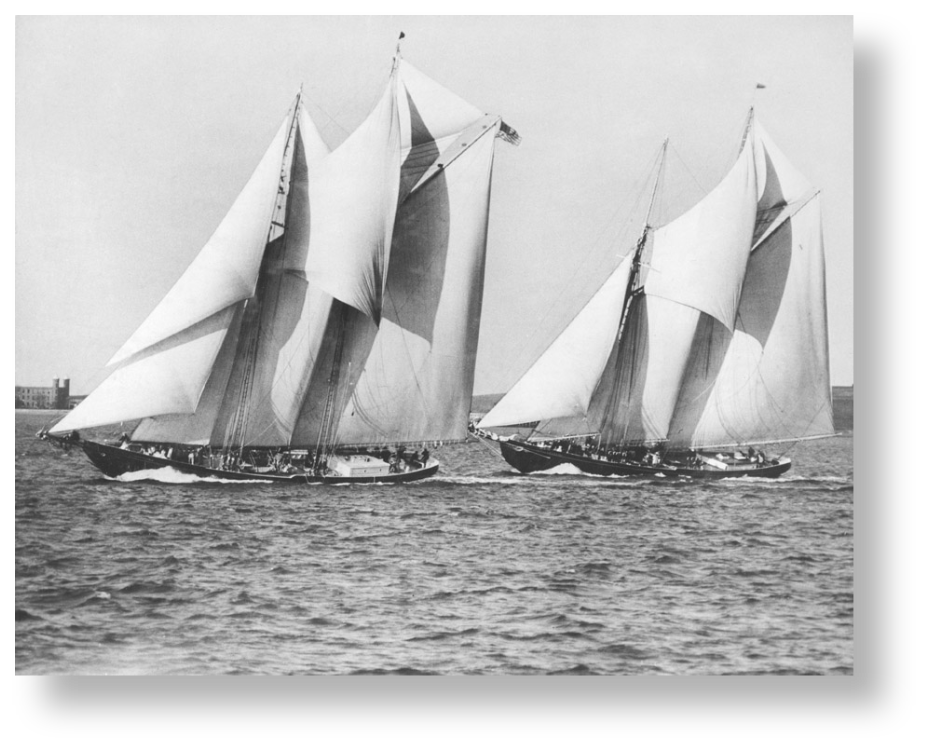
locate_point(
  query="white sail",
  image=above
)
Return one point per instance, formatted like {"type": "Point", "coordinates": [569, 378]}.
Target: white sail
{"type": "Point", "coordinates": [410, 377]}
{"type": "Point", "coordinates": [166, 378]}
{"type": "Point", "coordinates": [562, 381]}
{"type": "Point", "coordinates": [779, 182]}
{"type": "Point", "coordinates": [197, 428]}
{"type": "Point", "coordinates": [417, 381]}
{"type": "Point", "coordinates": [437, 113]}
{"type": "Point", "coordinates": [354, 194]}
{"type": "Point", "coordinates": [289, 328]}
{"type": "Point", "coordinates": [769, 380]}
{"type": "Point", "coordinates": [283, 288]}
{"type": "Point", "coordinates": [699, 259]}
{"type": "Point", "coordinates": [635, 401]}
{"type": "Point", "coordinates": [226, 269]}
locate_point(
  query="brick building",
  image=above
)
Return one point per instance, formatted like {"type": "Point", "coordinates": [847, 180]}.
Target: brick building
{"type": "Point", "coordinates": [43, 397]}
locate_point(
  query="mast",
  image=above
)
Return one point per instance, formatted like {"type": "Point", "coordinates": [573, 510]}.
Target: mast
{"type": "Point", "coordinates": [633, 286]}
{"type": "Point", "coordinates": [748, 127]}
{"type": "Point", "coordinates": [634, 274]}
{"type": "Point", "coordinates": [237, 429]}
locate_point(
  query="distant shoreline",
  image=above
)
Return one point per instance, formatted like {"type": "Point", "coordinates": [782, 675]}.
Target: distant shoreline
{"type": "Point", "coordinates": [843, 406]}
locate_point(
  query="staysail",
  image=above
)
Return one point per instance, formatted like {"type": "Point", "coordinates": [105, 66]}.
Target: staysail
{"type": "Point", "coordinates": [354, 192]}
{"type": "Point", "coordinates": [563, 379]}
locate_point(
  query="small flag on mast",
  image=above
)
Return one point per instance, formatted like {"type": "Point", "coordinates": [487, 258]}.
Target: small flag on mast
{"type": "Point", "coordinates": [402, 35]}
{"type": "Point", "coordinates": [760, 86]}
{"type": "Point", "coordinates": [509, 134]}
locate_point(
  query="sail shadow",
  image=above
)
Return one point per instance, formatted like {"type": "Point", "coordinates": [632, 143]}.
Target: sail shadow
{"type": "Point", "coordinates": [347, 342]}
{"type": "Point", "coordinates": [418, 256]}
{"type": "Point", "coordinates": [705, 362]}
{"type": "Point", "coordinates": [765, 282]}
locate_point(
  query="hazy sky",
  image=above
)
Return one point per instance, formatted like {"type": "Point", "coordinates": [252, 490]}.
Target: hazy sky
{"type": "Point", "coordinates": [135, 134]}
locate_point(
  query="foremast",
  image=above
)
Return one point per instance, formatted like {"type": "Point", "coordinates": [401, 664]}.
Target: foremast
{"type": "Point", "coordinates": [635, 273]}
{"type": "Point", "coordinates": [634, 286]}
{"type": "Point", "coordinates": [253, 308]}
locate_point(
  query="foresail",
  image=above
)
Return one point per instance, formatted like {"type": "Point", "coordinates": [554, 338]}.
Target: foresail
{"type": "Point", "coordinates": [226, 269]}
{"type": "Point", "coordinates": [635, 399]}
{"type": "Point", "coordinates": [354, 197]}
{"type": "Point", "coordinates": [293, 311]}
{"type": "Point", "coordinates": [699, 258]}
{"type": "Point", "coordinates": [283, 339]}
{"type": "Point", "coordinates": [562, 381]}
{"type": "Point", "coordinates": [168, 377]}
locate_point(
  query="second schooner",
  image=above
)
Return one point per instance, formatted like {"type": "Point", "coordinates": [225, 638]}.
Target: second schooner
{"type": "Point", "coordinates": [707, 342]}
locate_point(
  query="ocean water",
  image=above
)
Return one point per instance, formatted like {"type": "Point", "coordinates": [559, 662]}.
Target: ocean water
{"type": "Point", "coordinates": [479, 570]}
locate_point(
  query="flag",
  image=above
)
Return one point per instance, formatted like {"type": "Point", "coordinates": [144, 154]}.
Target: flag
{"type": "Point", "coordinates": [402, 35]}
{"type": "Point", "coordinates": [760, 86]}
{"type": "Point", "coordinates": [509, 134]}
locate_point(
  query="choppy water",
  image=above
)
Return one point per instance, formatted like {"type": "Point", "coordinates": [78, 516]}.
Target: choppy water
{"type": "Point", "coordinates": [477, 571]}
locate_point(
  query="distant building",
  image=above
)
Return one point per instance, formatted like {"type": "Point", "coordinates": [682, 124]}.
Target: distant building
{"type": "Point", "coordinates": [43, 397]}
{"type": "Point", "coordinates": [843, 407]}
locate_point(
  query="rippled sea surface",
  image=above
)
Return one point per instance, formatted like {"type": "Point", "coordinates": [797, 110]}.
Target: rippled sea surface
{"type": "Point", "coordinates": [479, 570]}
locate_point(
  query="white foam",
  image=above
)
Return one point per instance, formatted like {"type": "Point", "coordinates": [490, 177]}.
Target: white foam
{"type": "Point", "coordinates": [171, 476]}
{"type": "Point", "coordinates": [561, 469]}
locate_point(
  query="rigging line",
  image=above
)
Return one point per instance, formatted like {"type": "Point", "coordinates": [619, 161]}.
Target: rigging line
{"type": "Point", "coordinates": [237, 430]}
{"type": "Point", "coordinates": [328, 117]}
{"type": "Point", "coordinates": [693, 177]}
{"type": "Point", "coordinates": [409, 354]}
{"type": "Point", "coordinates": [354, 97]}
{"type": "Point", "coordinates": [486, 444]}
{"type": "Point", "coordinates": [639, 191]}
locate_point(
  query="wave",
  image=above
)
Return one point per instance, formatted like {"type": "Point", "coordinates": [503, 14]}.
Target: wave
{"type": "Point", "coordinates": [171, 476]}
{"type": "Point", "coordinates": [556, 480]}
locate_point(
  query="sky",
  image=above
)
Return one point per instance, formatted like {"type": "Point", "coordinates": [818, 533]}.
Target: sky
{"type": "Point", "coordinates": [135, 134]}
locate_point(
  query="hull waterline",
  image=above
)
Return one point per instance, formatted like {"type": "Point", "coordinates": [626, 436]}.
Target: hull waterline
{"type": "Point", "coordinates": [528, 458]}
{"type": "Point", "coordinates": [114, 462]}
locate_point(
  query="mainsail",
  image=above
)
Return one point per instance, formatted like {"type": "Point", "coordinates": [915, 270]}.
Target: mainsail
{"type": "Point", "coordinates": [725, 343]}
{"type": "Point", "coordinates": [338, 303]}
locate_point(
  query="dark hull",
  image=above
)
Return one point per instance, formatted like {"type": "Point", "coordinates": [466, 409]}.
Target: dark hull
{"type": "Point", "coordinates": [528, 457]}
{"type": "Point", "coordinates": [114, 461]}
